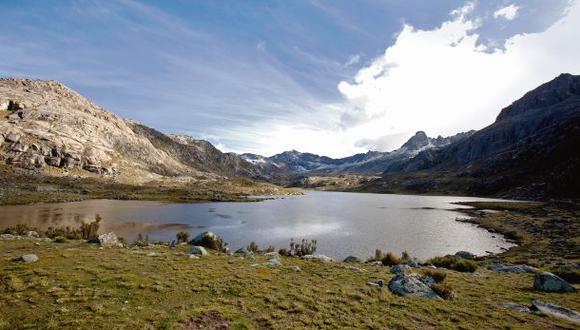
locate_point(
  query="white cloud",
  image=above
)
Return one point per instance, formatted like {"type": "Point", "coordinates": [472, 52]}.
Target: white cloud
{"type": "Point", "coordinates": [509, 12]}
{"type": "Point", "coordinates": [353, 59]}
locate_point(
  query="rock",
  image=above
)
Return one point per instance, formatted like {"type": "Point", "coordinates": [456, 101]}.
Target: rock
{"type": "Point", "coordinates": [549, 282]}
{"type": "Point", "coordinates": [497, 267]}
{"type": "Point", "coordinates": [31, 233]}
{"type": "Point", "coordinates": [517, 307]}
{"type": "Point", "coordinates": [193, 256]}
{"type": "Point", "coordinates": [427, 280]}
{"type": "Point", "coordinates": [273, 262]}
{"type": "Point", "coordinates": [356, 269]}
{"type": "Point", "coordinates": [378, 283]}
{"type": "Point", "coordinates": [352, 259]}
{"type": "Point", "coordinates": [410, 285]}
{"type": "Point", "coordinates": [295, 268]}
{"type": "Point", "coordinates": [399, 269]}
{"type": "Point", "coordinates": [319, 257]}
{"type": "Point", "coordinates": [29, 258]}
{"type": "Point", "coordinates": [109, 240]}
{"type": "Point", "coordinates": [198, 250]}
{"type": "Point", "coordinates": [414, 262]}
{"type": "Point", "coordinates": [465, 254]}
{"type": "Point", "coordinates": [209, 240]}
{"type": "Point", "coordinates": [153, 254]}
{"type": "Point", "coordinates": [7, 237]}
{"type": "Point", "coordinates": [555, 310]}
{"type": "Point", "coordinates": [376, 263]}
{"type": "Point", "coordinates": [272, 255]}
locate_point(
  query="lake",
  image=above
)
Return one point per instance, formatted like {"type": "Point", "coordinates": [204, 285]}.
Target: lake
{"type": "Point", "coordinates": [343, 223]}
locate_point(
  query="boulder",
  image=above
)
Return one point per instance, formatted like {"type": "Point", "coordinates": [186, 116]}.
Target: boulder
{"type": "Point", "coordinates": [31, 233]}
{"type": "Point", "coordinates": [29, 258]}
{"type": "Point", "coordinates": [555, 310]}
{"type": "Point", "coordinates": [109, 240]}
{"type": "Point", "coordinates": [465, 254]}
{"type": "Point", "coordinates": [352, 259]}
{"type": "Point", "coordinates": [7, 237]}
{"type": "Point", "coordinates": [410, 285]}
{"type": "Point", "coordinates": [497, 267]}
{"type": "Point", "coordinates": [517, 307]}
{"type": "Point", "coordinates": [400, 269]}
{"type": "Point", "coordinates": [295, 268]}
{"type": "Point", "coordinates": [549, 282]}
{"type": "Point", "coordinates": [198, 250]}
{"type": "Point", "coordinates": [209, 240]}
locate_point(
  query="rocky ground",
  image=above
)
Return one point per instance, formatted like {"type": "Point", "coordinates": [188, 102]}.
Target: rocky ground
{"type": "Point", "coordinates": [74, 284]}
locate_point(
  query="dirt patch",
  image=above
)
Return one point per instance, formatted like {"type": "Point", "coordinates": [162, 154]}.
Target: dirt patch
{"type": "Point", "coordinates": [212, 320]}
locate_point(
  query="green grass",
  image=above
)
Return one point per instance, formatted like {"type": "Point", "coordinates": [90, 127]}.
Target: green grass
{"type": "Point", "coordinates": [78, 285]}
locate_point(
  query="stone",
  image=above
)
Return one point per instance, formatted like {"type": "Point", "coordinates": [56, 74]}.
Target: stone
{"type": "Point", "coordinates": [410, 285]}
{"type": "Point", "coordinates": [413, 262]}
{"type": "Point", "coordinates": [109, 240]}
{"type": "Point", "coordinates": [497, 267]}
{"type": "Point", "coordinates": [352, 259]}
{"type": "Point", "coordinates": [319, 257]}
{"type": "Point", "coordinates": [193, 256]}
{"type": "Point", "coordinates": [378, 283]}
{"type": "Point", "coordinates": [465, 254]}
{"type": "Point", "coordinates": [198, 250]}
{"type": "Point", "coordinates": [548, 282]}
{"type": "Point", "coordinates": [31, 233]}
{"type": "Point", "coordinates": [399, 269]}
{"type": "Point", "coordinates": [209, 240]}
{"type": "Point", "coordinates": [356, 269]}
{"type": "Point", "coordinates": [517, 307]}
{"type": "Point", "coordinates": [29, 258]}
{"type": "Point", "coordinates": [295, 268]}
{"type": "Point", "coordinates": [7, 237]}
{"type": "Point", "coordinates": [556, 311]}
{"type": "Point", "coordinates": [153, 254]}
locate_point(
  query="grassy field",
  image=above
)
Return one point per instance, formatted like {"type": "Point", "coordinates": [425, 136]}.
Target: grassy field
{"type": "Point", "coordinates": [78, 285]}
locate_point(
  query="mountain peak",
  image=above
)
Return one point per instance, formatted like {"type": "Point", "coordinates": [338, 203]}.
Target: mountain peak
{"type": "Point", "coordinates": [564, 87]}
{"type": "Point", "coordinates": [417, 141]}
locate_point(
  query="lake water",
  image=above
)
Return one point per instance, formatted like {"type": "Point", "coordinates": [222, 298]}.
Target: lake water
{"type": "Point", "coordinates": [343, 223]}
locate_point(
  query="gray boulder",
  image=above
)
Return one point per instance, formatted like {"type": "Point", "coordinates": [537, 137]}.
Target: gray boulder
{"type": "Point", "coordinates": [400, 269]}
{"type": "Point", "coordinates": [319, 257]}
{"type": "Point", "coordinates": [517, 307]}
{"type": "Point", "coordinates": [198, 250]}
{"type": "Point", "coordinates": [295, 268]}
{"type": "Point", "coordinates": [555, 310]}
{"type": "Point", "coordinates": [549, 282]}
{"type": "Point", "coordinates": [29, 258]}
{"type": "Point", "coordinates": [352, 259]}
{"type": "Point", "coordinates": [109, 240]}
{"type": "Point", "coordinates": [497, 267]}
{"type": "Point", "coordinates": [209, 240]}
{"type": "Point", "coordinates": [465, 254]}
{"type": "Point", "coordinates": [410, 285]}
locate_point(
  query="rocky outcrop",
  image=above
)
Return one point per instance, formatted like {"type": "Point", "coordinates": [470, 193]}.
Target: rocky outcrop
{"type": "Point", "coordinates": [411, 285]}
{"type": "Point", "coordinates": [549, 282]}
{"type": "Point", "coordinates": [556, 311]}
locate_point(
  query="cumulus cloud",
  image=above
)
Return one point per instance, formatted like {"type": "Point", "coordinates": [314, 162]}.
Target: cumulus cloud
{"type": "Point", "coordinates": [509, 12]}
{"type": "Point", "coordinates": [441, 81]}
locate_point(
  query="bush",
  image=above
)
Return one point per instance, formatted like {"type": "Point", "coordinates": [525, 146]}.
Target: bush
{"type": "Point", "coordinates": [140, 241]}
{"type": "Point", "coordinates": [438, 275]}
{"type": "Point", "coordinates": [405, 256]}
{"type": "Point", "coordinates": [182, 237]}
{"type": "Point", "coordinates": [570, 275]}
{"type": "Point", "coordinates": [60, 239]}
{"type": "Point", "coordinates": [284, 252]}
{"type": "Point", "coordinates": [89, 231]}
{"type": "Point", "coordinates": [390, 259]}
{"type": "Point", "coordinates": [304, 248]}
{"type": "Point", "coordinates": [443, 290]}
{"type": "Point", "coordinates": [253, 247]}
{"type": "Point", "coordinates": [454, 263]}
{"type": "Point", "coordinates": [377, 257]}
{"type": "Point", "coordinates": [270, 249]}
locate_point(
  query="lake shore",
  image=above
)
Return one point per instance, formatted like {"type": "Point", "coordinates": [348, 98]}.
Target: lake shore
{"type": "Point", "coordinates": [78, 284]}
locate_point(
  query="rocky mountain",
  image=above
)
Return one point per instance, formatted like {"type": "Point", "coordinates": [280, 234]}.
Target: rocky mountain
{"type": "Point", "coordinates": [47, 127]}
{"type": "Point", "coordinates": [371, 162]}
{"type": "Point", "coordinates": [531, 150]}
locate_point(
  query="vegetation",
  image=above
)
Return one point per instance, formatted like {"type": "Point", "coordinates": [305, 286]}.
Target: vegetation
{"type": "Point", "coordinates": [253, 247]}
{"type": "Point", "coordinates": [182, 237]}
{"type": "Point", "coordinates": [305, 247]}
{"type": "Point", "coordinates": [443, 290]}
{"type": "Point", "coordinates": [437, 274]}
{"type": "Point", "coordinates": [454, 263]}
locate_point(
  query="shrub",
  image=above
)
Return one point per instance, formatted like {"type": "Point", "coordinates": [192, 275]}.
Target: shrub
{"type": "Point", "coordinates": [89, 231]}
{"type": "Point", "coordinates": [438, 275]}
{"type": "Point", "coordinates": [405, 256]}
{"type": "Point", "coordinates": [304, 248]}
{"type": "Point", "coordinates": [454, 263]}
{"type": "Point", "coordinates": [270, 249]}
{"type": "Point", "coordinates": [284, 252]}
{"type": "Point", "coordinates": [390, 259]}
{"type": "Point", "coordinates": [60, 239]}
{"type": "Point", "coordinates": [570, 275]}
{"type": "Point", "coordinates": [443, 290]}
{"type": "Point", "coordinates": [253, 247]}
{"type": "Point", "coordinates": [140, 241]}
{"type": "Point", "coordinates": [377, 257]}
{"type": "Point", "coordinates": [182, 237]}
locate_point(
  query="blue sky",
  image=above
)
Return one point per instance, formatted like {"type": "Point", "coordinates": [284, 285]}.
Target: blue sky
{"type": "Point", "coordinates": [330, 77]}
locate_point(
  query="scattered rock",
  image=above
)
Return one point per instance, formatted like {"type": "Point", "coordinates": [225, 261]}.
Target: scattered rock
{"type": "Point", "coordinates": [414, 262]}
{"type": "Point", "coordinates": [352, 259]}
{"type": "Point", "coordinates": [517, 307]}
{"type": "Point", "coordinates": [198, 250]}
{"type": "Point", "coordinates": [465, 254]}
{"type": "Point", "coordinates": [399, 269]}
{"type": "Point", "coordinates": [209, 240]}
{"type": "Point", "coordinates": [378, 283]}
{"type": "Point", "coordinates": [549, 282]}
{"type": "Point", "coordinates": [319, 257]}
{"type": "Point", "coordinates": [497, 267]}
{"type": "Point", "coordinates": [193, 256]}
{"type": "Point", "coordinates": [555, 310]}
{"type": "Point", "coordinates": [109, 240]}
{"type": "Point", "coordinates": [7, 237]}
{"type": "Point", "coordinates": [410, 285]}
{"type": "Point", "coordinates": [31, 233]}
{"type": "Point", "coordinates": [295, 268]}
{"type": "Point", "coordinates": [29, 258]}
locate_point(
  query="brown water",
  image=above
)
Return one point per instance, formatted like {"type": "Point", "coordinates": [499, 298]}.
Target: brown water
{"type": "Point", "coordinates": [343, 223]}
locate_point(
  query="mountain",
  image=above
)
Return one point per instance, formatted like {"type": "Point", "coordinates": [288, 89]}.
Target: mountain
{"type": "Point", "coordinates": [371, 162]}
{"type": "Point", "coordinates": [47, 127]}
{"type": "Point", "coordinates": [531, 150]}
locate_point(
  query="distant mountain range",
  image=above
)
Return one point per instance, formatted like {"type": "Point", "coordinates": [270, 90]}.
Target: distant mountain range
{"type": "Point", "coordinates": [531, 150]}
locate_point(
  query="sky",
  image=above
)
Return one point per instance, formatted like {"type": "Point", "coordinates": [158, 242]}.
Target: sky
{"type": "Point", "coordinates": [263, 76]}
